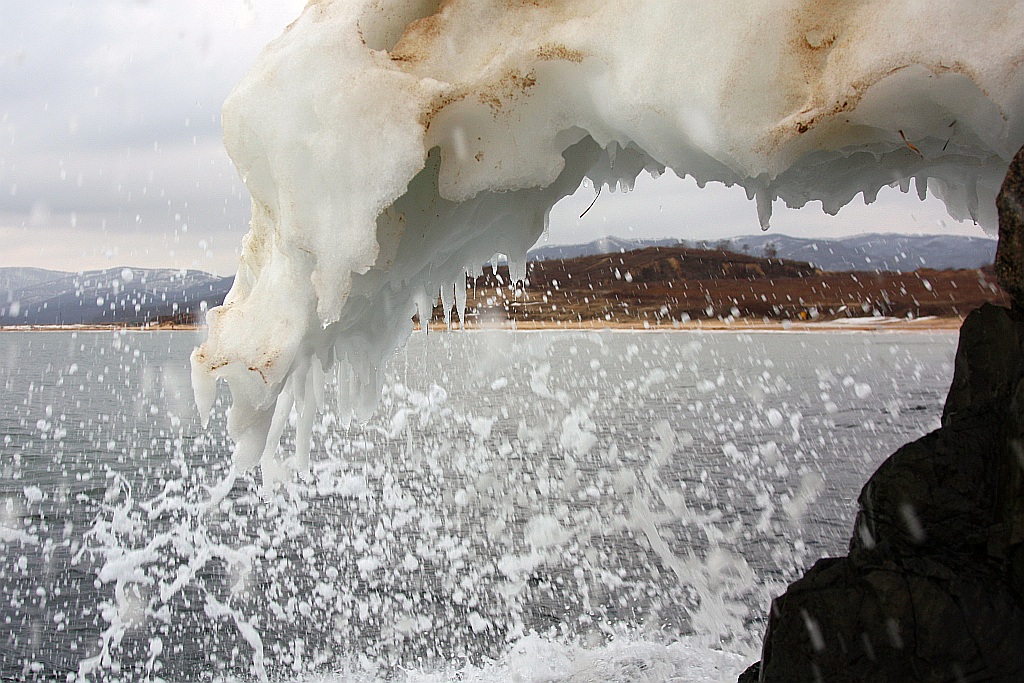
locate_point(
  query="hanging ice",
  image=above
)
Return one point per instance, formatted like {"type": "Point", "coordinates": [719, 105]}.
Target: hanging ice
{"type": "Point", "coordinates": [389, 145]}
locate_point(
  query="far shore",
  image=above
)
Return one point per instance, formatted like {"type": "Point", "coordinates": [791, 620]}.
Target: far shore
{"type": "Point", "coordinates": [862, 324]}
{"type": "Point", "coordinates": [98, 328]}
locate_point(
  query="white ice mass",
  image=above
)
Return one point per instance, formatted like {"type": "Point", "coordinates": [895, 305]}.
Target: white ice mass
{"type": "Point", "coordinates": [390, 146]}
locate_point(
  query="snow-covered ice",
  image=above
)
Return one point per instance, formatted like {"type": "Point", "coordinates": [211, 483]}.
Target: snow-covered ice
{"type": "Point", "coordinates": [391, 145]}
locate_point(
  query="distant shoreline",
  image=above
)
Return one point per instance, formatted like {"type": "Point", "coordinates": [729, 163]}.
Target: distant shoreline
{"type": "Point", "coordinates": [926, 324]}
{"type": "Point", "coordinates": [863, 324]}
{"type": "Point", "coordinates": [99, 328]}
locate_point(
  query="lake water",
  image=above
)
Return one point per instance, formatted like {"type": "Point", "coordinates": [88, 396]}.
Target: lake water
{"type": "Point", "coordinates": [530, 506]}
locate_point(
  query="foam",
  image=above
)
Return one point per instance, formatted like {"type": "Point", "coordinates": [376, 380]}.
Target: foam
{"type": "Point", "coordinates": [624, 659]}
{"type": "Point", "coordinates": [390, 146]}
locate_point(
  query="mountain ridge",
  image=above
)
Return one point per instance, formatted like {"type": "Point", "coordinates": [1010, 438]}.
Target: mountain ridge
{"type": "Point", "coordinates": [121, 296]}
{"type": "Point", "coordinates": [138, 296]}
{"type": "Point", "coordinates": [867, 252]}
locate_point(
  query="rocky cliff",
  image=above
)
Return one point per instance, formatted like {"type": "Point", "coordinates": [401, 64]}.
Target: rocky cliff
{"type": "Point", "coordinates": [933, 586]}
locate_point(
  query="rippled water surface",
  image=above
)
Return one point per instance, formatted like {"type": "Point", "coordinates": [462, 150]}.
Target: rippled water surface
{"type": "Point", "coordinates": [527, 505]}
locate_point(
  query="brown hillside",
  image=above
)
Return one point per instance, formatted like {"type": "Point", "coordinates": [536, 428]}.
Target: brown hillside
{"type": "Point", "coordinates": [664, 284]}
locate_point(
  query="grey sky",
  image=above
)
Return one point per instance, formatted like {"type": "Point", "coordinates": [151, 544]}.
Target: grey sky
{"type": "Point", "coordinates": [110, 149]}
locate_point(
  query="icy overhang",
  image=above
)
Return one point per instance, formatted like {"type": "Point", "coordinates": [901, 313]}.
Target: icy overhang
{"type": "Point", "coordinates": [391, 145]}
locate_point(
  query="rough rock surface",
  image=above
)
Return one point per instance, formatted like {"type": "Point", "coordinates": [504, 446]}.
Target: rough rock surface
{"type": "Point", "coordinates": [1010, 253]}
{"type": "Point", "coordinates": [933, 586]}
{"type": "Point", "coordinates": [931, 589]}
{"type": "Point", "coordinates": [751, 675]}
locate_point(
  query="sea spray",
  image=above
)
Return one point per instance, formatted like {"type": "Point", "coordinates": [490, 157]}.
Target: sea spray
{"type": "Point", "coordinates": [514, 513]}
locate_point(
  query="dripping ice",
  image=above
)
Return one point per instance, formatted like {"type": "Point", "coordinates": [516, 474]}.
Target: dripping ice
{"type": "Point", "coordinates": [392, 147]}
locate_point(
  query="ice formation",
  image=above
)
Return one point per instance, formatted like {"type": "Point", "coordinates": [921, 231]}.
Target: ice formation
{"type": "Point", "coordinates": [392, 145]}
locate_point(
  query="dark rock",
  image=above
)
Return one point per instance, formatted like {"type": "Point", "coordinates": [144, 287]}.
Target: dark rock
{"type": "Point", "coordinates": [988, 363]}
{"type": "Point", "coordinates": [869, 617]}
{"type": "Point", "coordinates": [989, 382]}
{"type": "Point", "coordinates": [935, 494]}
{"type": "Point", "coordinates": [1010, 252]}
{"type": "Point", "coordinates": [932, 588]}
{"type": "Point", "coordinates": [751, 675]}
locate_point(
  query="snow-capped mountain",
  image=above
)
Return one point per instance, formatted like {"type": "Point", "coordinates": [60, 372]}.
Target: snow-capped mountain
{"type": "Point", "coordinates": [112, 296]}
{"type": "Point", "coordinates": [885, 252]}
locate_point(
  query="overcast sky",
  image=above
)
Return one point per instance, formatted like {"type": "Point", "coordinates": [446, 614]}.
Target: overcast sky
{"type": "Point", "coordinates": [110, 150]}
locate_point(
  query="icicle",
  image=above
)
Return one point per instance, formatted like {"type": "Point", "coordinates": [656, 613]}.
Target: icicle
{"type": "Point", "coordinates": [365, 395]}
{"type": "Point", "coordinates": [343, 381]}
{"type": "Point", "coordinates": [204, 388]}
{"type": "Point", "coordinates": [285, 402]}
{"type": "Point", "coordinates": [973, 201]}
{"type": "Point", "coordinates": [460, 299]}
{"type": "Point", "coordinates": [252, 440]}
{"type": "Point", "coordinates": [517, 266]}
{"type": "Point", "coordinates": [308, 406]}
{"type": "Point", "coordinates": [425, 311]}
{"type": "Point", "coordinates": [447, 301]}
{"type": "Point", "coordinates": [764, 198]}
{"type": "Point", "coordinates": [922, 187]}
{"type": "Point", "coordinates": [319, 385]}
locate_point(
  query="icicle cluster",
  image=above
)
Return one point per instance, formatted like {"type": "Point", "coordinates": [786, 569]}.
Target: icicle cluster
{"type": "Point", "coordinates": [392, 145]}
